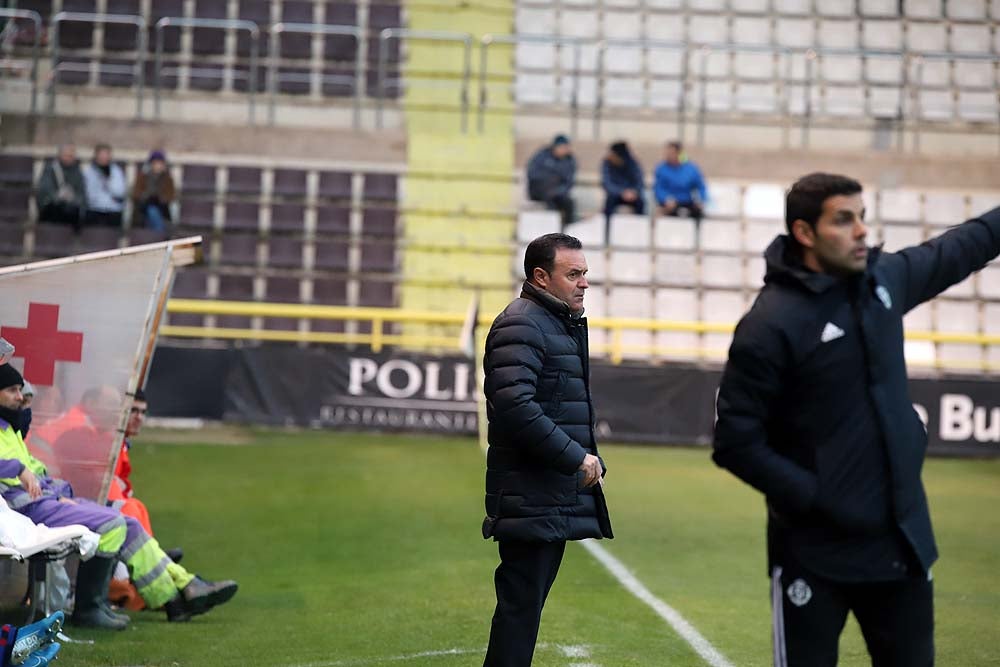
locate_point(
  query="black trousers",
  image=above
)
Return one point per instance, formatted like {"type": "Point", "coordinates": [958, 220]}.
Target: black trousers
{"type": "Point", "coordinates": [523, 580]}
{"type": "Point", "coordinates": [809, 612]}
{"type": "Point", "coordinates": [611, 202]}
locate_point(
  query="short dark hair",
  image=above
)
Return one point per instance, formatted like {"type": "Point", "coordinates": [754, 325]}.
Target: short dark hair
{"type": "Point", "coordinates": [676, 145]}
{"type": "Point", "coordinates": [140, 395]}
{"type": "Point", "coordinates": [102, 147]}
{"type": "Point", "coordinates": [804, 200]}
{"type": "Point", "coordinates": [541, 252]}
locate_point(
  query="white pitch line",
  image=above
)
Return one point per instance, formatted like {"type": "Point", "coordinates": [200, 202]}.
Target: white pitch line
{"type": "Point", "coordinates": [680, 625]}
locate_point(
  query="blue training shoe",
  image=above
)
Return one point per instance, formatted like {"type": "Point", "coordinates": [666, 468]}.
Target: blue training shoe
{"type": "Point", "coordinates": [42, 657]}
{"type": "Point", "coordinates": [34, 637]}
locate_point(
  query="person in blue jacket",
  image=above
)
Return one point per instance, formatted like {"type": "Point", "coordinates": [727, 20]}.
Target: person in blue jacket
{"type": "Point", "coordinates": [814, 412]}
{"type": "Point", "coordinates": [678, 184]}
{"type": "Point", "coordinates": [622, 179]}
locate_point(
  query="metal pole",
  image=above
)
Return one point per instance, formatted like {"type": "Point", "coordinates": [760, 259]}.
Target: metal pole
{"type": "Point", "coordinates": [599, 96]}
{"type": "Point", "coordinates": [574, 100]}
{"type": "Point", "coordinates": [703, 105]}
{"type": "Point", "coordinates": [252, 87]}
{"type": "Point", "coordinates": [359, 41]}
{"type": "Point", "coordinates": [383, 56]}
{"type": "Point", "coordinates": [157, 64]}
{"type": "Point", "coordinates": [140, 66]}
{"type": "Point", "coordinates": [272, 72]}
{"type": "Point", "coordinates": [54, 70]}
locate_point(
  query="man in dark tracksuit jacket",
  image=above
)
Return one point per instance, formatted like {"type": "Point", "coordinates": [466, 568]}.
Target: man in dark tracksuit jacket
{"type": "Point", "coordinates": [543, 474]}
{"type": "Point", "coordinates": [814, 412]}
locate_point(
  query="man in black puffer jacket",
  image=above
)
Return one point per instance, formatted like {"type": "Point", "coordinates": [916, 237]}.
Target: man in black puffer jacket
{"type": "Point", "coordinates": [543, 474]}
{"type": "Point", "coordinates": [814, 412]}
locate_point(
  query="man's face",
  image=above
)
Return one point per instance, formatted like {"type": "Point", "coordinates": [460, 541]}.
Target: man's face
{"type": "Point", "coordinates": [839, 241]}
{"type": "Point", "coordinates": [136, 417]}
{"type": "Point", "coordinates": [568, 279]}
{"type": "Point", "coordinates": [67, 155]}
{"type": "Point", "coordinates": [103, 157]}
{"type": "Point", "coordinates": [672, 155]}
{"type": "Point", "coordinates": [561, 150]}
{"type": "Point", "coordinates": [11, 398]}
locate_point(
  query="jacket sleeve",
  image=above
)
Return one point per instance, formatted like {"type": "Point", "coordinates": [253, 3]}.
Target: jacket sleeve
{"type": "Point", "coordinates": [922, 272]}
{"type": "Point", "coordinates": [748, 395]}
{"type": "Point", "coordinates": [660, 186]}
{"type": "Point", "coordinates": [536, 170]}
{"type": "Point", "coordinates": [47, 187]}
{"type": "Point", "coordinates": [10, 468]}
{"type": "Point", "coordinates": [117, 187]}
{"type": "Point", "coordinates": [515, 351]}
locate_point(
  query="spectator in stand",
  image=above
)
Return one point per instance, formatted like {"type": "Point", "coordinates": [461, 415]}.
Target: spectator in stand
{"type": "Point", "coordinates": [622, 179]}
{"type": "Point", "coordinates": [679, 186]}
{"type": "Point", "coordinates": [62, 196]}
{"type": "Point", "coordinates": [106, 189]}
{"type": "Point", "coordinates": [153, 193]}
{"type": "Point", "coordinates": [551, 176]}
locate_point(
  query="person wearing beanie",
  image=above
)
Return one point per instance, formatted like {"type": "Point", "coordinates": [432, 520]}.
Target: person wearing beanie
{"type": "Point", "coordinates": [551, 176]}
{"type": "Point", "coordinates": [27, 489]}
{"type": "Point", "coordinates": [106, 189]}
{"type": "Point", "coordinates": [152, 194]}
{"type": "Point", "coordinates": [622, 179]}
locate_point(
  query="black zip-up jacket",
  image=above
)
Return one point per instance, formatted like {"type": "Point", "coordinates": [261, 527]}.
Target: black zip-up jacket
{"type": "Point", "coordinates": [541, 424]}
{"type": "Point", "coordinates": [815, 413]}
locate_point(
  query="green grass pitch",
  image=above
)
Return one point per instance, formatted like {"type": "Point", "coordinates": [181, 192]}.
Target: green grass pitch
{"type": "Point", "coordinates": [365, 550]}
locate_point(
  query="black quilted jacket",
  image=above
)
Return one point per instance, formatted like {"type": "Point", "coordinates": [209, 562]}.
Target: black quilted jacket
{"type": "Point", "coordinates": [541, 424]}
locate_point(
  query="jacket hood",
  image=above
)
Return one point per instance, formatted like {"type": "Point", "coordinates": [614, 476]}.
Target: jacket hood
{"type": "Point", "coordinates": [551, 303]}
{"type": "Point", "coordinates": [783, 267]}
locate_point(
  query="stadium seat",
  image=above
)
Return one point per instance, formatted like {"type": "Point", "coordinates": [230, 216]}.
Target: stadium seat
{"type": "Point", "coordinates": [333, 220]}
{"type": "Point", "coordinates": [197, 214]}
{"type": "Point", "coordinates": [989, 286]}
{"type": "Point", "coordinates": [328, 292]}
{"type": "Point", "coordinates": [759, 235]}
{"type": "Point", "coordinates": [676, 269]}
{"type": "Point", "coordinates": [142, 236]}
{"type": "Point", "coordinates": [377, 294]}
{"type": "Point", "coordinates": [239, 250]}
{"type": "Point", "coordinates": [936, 104]}
{"type": "Point", "coordinates": [665, 94]}
{"type": "Point", "coordinates": [956, 316]}
{"type": "Point", "coordinates": [716, 95]}
{"type": "Point", "coordinates": [764, 201]}
{"type": "Point", "coordinates": [840, 69]}
{"type": "Point", "coordinates": [597, 265]}
{"type": "Point", "coordinates": [722, 271]}
{"type": "Point", "coordinates": [288, 218]}
{"type": "Point", "coordinates": [721, 236]}
{"type": "Point", "coordinates": [14, 203]}
{"type": "Point", "coordinates": [532, 224]}
{"type": "Point", "coordinates": [752, 30]}
{"type": "Point", "coordinates": [595, 304]}
{"type": "Point", "coordinates": [12, 247]}
{"type": "Point", "coordinates": [289, 183]}
{"type": "Point", "coordinates": [756, 269]}
{"type": "Point", "coordinates": [590, 231]}
{"type": "Point", "coordinates": [930, 9]}
{"type": "Point", "coordinates": [665, 4]}
{"type": "Point", "coordinates": [944, 208]}
{"type": "Point", "coordinates": [676, 305]}
{"type": "Point", "coordinates": [337, 47]}
{"type": "Point", "coordinates": [530, 55]}
{"type": "Point", "coordinates": [980, 203]}
{"type": "Point", "coordinates": [74, 71]}
{"type": "Point", "coordinates": [116, 72]}
{"type": "Point", "coordinates": [77, 34]}
{"type": "Point", "coordinates": [297, 45]}
{"type": "Point", "coordinates": [258, 11]}
{"type": "Point", "coordinates": [966, 10]}
{"type": "Point", "coordinates": [708, 28]}
{"type": "Point", "coordinates": [94, 238]}
{"type": "Point", "coordinates": [331, 256]}
{"type": "Point", "coordinates": [209, 41]}
{"type": "Point", "coordinates": [380, 187]}
{"type": "Point", "coordinates": [378, 255]}
{"type": "Point", "coordinates": [189, 283]}
{"type": "Point", "coordinates": [882, 8]}
{"type": "Point", "coordinates": [927, 37]}
{"type": "Point", "coordinates": [623, 60]}
{"type": "Point", "coordinates": [621, 25]}
{"type": "Point", "coordinates": [623, 93]}
{"type": "Point", "coordinates": [334, 185]}
{"type": "Point", "coordinates": [884, 102]}
{"type": "Point", "coordinates": [198, 179]}
{"type": "Point", "coordinates": [535, 88]}
{"type": "Point", "coordinates": [118, 37]}
{"type": "Point", "coordinates": [282, 289]}
{"type": "Point", "coordinates": [750, 6]}
{"type": "Point", "coordinates": [878, 69]}
{"type": "Point", "coordinates": [243, 216]}
{"type": "Point", "coordinates": [379, 222]}
{"type": "Point", "coordinates": [534, 20]}
{"type": "Point", "coordinates": [630, 231]}
{"type": "Point", "coordinates": [974, 74]}
{"type": "Point", "coordinates": [54, 240]}
{"type": "Point", "coordinates": [844, 101]}
{"type": "Point", "coordinates": [630, 267]}
{"type": "Point", "coordinates": [884, 35]}
{"type": "Point", "coordinates": [284, 253]}
{"type": "Point", "coordinates": [759, 66]}
{"type": "Point", "coordinates": [899, 205]}
{"type": "Point", "coordinates": [667, 30]}
{"type": "Point", "coordinates": [578, 23]}
{"type": "Point", "coordinates": [244, 181]}
{"type": "Point", "coordinates": [707, 5]}
{"type": "Point", "coordinates": [632, 302]}
{"type": "Point", "coordinates": [235, 288]}
{"type": "Point", "coordinates": [671, 233]}
{"type": "Point", "coordinates": [16, 169]}
{"type": "Point", "coordinates": [836, 8]}
{"type": "Point", "coordinates": [722, 307]}
{"type": "Point", "coordinates": [896, 237]}
{"type": "Point", "coordinates": [757, 98]}
{"type": "Point", "coordinates": [793, 7]}
{"type": "Point", "coordinates": [795, 32]}
{"type": "Point", "coordinates": [967, 38]}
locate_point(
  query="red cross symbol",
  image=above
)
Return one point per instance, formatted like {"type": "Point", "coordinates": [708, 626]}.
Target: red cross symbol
{"type": "Point", "coordinates": [41, 344]}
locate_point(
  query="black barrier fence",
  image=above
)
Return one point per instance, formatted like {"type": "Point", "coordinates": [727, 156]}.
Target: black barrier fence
{"type": "Point", "coordinates": [401, 391]}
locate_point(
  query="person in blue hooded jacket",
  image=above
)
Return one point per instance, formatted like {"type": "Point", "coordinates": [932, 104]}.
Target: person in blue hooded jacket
{"type": "Point", "coordinates": [678, 185]}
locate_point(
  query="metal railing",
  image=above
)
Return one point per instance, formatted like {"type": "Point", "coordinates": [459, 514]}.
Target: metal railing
{"type": "Point", "coordinates": [136, 69]}
{"type": "Point", "coordinates": [463, 38]}
{"type": "Point", "coordinates": [219, 24]}
{"type": "Point", "coordinates": [36, 41]}
{"type": "Point", "coordinates": [356, 82]}
{"type": "Point", "coordinates": [378, 338]}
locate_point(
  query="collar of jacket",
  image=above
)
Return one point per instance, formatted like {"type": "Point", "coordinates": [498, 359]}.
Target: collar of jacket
{"type": "Point", "coordinates": [555, 305]}
{"type": "Point", "coordinates": [784, 267]}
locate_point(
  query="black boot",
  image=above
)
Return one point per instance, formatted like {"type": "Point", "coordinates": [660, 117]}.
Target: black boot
{"type": "Point", "coordinates": [199, 596]}
{"type": "Point", "coordinates": [92, 609]}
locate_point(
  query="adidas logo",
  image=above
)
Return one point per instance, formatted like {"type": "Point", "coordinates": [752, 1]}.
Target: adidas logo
{"type": "Point", "coordinates": [831, 332]}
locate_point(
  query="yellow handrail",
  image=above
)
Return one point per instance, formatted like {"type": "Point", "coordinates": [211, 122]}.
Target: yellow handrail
{"type": "Point", "coordinates": [616, 348]}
